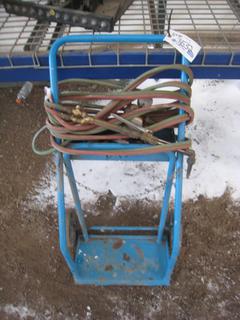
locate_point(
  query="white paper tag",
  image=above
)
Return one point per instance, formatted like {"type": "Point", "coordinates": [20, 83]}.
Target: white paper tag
{"type": "Point", "coordinates": [185, 45]}
{"type": "Point", "coordinates": [48, 95]}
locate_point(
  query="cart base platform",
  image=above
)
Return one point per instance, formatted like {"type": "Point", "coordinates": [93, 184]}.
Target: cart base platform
{"type": "Point", "coordinates": [121, 260]}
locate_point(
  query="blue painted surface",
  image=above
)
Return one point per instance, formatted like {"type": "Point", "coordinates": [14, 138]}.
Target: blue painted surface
{"type": "Point", "coordinates": [151, 157]}
{"type": "Point", "coordinates": [75, 194]}
{"type": "Point", "coordinates": [167, 156]}
{"type": "Point", "coordinates": [41, 74]}
{"type": "Point", "coordinates": [62, 214]}
{"type": "Point", "coordinates": [222, 58]}
{"type": "Point", "coordinates": [122, 228]}
{"type": "Point", "coordinates": [236, 59]}
{"type": "Point", "coordinates": [177, 219]}
{"type": "Point", "coordinates": [23, 61]}
{"type": "Point", "coordinates": [155, 57]}
{"type": "Point", "coordinates": [216, 65]}
{"type": "Point", "coordinates": [166, 199]}
{"type": "Point", "coordinates": [4, 62]}
{"type": "Point", "coordinates": [121, 260]}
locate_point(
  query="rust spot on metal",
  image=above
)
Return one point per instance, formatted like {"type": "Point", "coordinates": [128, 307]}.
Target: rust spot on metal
{"type": "Point", "coordinates": [102, 279]}
{"type": "Point", "coordinates": [60, 168]}
{"type": "Point", "coordinates": [108, 267]}
{"type": "Point", "coordinates": [117, 244]}
{"type": "Point", "coordinates": [126, 257]}
{"type": "Point", "coordinates": [139, 252]}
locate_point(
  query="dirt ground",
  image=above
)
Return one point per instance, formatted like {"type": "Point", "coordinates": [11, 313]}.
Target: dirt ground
{"type": "Point", "coordinates": [35, 282]}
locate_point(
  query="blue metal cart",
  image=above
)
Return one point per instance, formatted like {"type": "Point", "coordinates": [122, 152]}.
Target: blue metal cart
{"type": "Point", "coordinates": [114, 255]}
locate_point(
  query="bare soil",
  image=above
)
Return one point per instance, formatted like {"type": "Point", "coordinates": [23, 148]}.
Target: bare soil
{"type": "Point", "coordinates": [35, 282]}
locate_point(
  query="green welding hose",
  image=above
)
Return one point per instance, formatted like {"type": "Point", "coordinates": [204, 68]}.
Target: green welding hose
{"type": "Point", "coordinates": [35, 149]}
{"type": "Point", "coordinates": [79, 117]}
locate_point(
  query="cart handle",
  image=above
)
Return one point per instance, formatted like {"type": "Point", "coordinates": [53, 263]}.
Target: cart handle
{"type": "Point", "coordinates": [108, 38]}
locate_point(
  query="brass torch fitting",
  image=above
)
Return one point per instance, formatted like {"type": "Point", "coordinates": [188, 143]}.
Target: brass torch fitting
{"type": "Point", "coordinates": [79, 115]}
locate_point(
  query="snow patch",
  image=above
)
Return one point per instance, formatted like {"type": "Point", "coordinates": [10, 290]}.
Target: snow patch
{"type": "Point", "coordinates": [24, 312]}
{"type": "Point", "coordinates": [213, 287]}
{"type": "Point", "coordinates": [21, 311]}
{"type": "Point", "coordinates": [215, 134]}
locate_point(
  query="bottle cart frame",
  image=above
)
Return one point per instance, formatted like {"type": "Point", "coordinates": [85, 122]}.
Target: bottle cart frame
{"type": "Point", "coordinates": [117, 255]}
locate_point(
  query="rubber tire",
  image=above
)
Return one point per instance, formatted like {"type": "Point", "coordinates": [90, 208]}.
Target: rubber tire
{"type": "Point", "coordinates": [71, 229]}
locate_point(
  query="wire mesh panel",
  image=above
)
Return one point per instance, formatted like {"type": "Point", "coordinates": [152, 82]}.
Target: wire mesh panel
{"type": "Point", "coordinates": [214, 24]}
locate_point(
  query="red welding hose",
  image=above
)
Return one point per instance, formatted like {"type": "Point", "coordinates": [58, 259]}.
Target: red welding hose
{"type": "Point", "coordinates": [70, 123]}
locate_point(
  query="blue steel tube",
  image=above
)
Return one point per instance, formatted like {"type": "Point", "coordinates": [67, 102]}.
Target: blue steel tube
{"type": "Point", "coordinates": [62, 213]}
{"type": "Point", "coordinates": [75, 195]}
{"type": "Point", "coordinates": [92, 38]}
{"type": "Point", "coordinates": [166, 197]}
{"type": "Point", "coordinates": [177, 226]}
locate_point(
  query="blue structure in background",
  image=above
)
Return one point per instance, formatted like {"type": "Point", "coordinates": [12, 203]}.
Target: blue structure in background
{"type": "Point", "coordinates": [104, 65]}
{"type": "Point", "coordinates": [114, 255]}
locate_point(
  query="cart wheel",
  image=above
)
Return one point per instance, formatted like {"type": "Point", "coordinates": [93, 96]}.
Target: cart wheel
{"type": "Point", "coordinates": [167, 233]}
{"type": "Point", "coordinates": [72, 229]}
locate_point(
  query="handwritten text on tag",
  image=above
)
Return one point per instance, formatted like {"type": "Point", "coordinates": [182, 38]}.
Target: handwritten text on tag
{"type": "Point", "coordinates": [185, 45]}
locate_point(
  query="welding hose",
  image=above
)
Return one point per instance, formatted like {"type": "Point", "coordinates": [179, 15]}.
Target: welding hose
{"type": "Point", "coordinates": [69, 124]}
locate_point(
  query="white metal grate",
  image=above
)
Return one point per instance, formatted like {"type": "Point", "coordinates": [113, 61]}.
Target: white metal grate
{"type": "Point", "coordinates": [214, 24]}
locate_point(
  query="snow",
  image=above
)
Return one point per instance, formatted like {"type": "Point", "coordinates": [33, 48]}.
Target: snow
{"type": "Point", "coordinates": [21, 311]}
{"type": "Point", "coordinates": [215, 134]}
{"type": "Point", "coordinates": [216, 137]}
